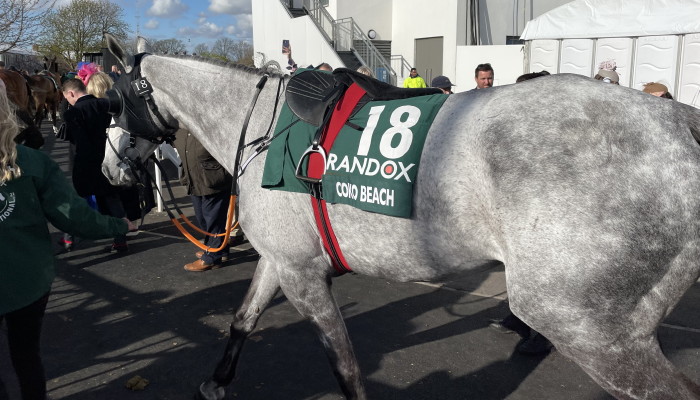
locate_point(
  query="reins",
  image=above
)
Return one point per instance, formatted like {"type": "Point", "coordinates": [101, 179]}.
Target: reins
{"type": "Point", "coordinates": [262, 143]}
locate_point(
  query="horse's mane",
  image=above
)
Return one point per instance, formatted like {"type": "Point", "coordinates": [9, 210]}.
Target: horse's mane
{"type": "Point", "coordinates": [225, 64]}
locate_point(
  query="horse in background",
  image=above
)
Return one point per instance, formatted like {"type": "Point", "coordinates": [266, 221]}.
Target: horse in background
{"type": "Point", "coordinates": [47, 95]}
{"type": "Point", "coordinates": [19, 94]}
{"type": "Point", "coordinates": [587, 192]}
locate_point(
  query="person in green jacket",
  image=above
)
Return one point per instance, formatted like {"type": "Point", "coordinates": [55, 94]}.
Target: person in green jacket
{"type": "Point", "coordinates": [414, 81]}
{"type": "Point", "coordinates": [34, 191]}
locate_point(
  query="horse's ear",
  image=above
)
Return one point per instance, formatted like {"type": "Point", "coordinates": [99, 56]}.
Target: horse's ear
{"type": "Point", "coordinates": [142, 45]}
{"type": "Point", "coordinates": [125, 59]}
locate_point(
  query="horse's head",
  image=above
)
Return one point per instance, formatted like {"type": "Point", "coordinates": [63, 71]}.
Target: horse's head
{"type": "Point", "coordinates": [131, 101]}
{"type": "Point", "coordinates": [123, 153]}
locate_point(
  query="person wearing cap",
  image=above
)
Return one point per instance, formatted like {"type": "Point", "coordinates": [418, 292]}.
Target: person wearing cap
{"type": "Point", "coordinates": [443, 83]}
{"type": "Point", "coordinates": [606, 72]}
{"type": "Point", "coordinates": [657, 89]}
{"type": "Point", "coordinates": [414, 80]}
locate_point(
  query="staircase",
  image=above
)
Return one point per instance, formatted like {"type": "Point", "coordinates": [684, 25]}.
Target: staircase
{"type": "Point", "coordinates": [297, 12]}
{"type": "Point", "coordinates": [384, 47]}
{"type": "Point", "coordinates": [354, 48]}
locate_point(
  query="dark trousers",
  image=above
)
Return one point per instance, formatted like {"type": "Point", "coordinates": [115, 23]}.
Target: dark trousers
{"type": "Point", "coordinates": [210, 212]}
{"type": "Point", "coordinates": [112, 205]}
{"type": "Point", "coordinates": [24, 337]}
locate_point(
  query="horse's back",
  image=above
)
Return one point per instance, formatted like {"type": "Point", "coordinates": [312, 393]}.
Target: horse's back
{"type": "Point", "coordinates": [17, 89]}
{"type": "Point", "coordinates": [567, 139]}
{"type": "Point", "coordinates": [554, 168]}
{"type": "Point", "coordinates": [593, 185]}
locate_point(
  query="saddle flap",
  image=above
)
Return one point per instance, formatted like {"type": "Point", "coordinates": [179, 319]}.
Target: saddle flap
{"type": "Point", "coordinates": [310, 93]}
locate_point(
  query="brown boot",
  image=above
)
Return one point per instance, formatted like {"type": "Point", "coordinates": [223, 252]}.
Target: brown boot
{"type": "Point", "coordinates": [200, 266]}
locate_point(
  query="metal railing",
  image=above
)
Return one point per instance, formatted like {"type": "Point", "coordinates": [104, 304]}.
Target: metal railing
{"type": "Point", "coordinates": [349, 37]}
{"type": "Point", "coordinates": [345, 35]}
{"type": "Point", "coordinates": [400, 65]}
{"type": "Point", "coordinates": [322, 18]}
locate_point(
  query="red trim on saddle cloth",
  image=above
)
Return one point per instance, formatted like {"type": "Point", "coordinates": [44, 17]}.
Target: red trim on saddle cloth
{"type": "Point", "coordinates": [341, 114]}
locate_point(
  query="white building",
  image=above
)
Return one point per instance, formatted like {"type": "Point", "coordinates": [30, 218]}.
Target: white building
{"type": "Point", "coordinates": [435, 37]}
{"type": "Point", "coordinates": [451, 37]}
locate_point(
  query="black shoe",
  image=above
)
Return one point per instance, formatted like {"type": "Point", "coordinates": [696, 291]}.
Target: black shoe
{"type": "Point", "coordinates": [511, 323]}
{"type": "Point", "coordinates": [497, 325]}
{"type": "Point", "coordinates": [536, 344]}
{"type": "Point", "coordinates": [235, 241]}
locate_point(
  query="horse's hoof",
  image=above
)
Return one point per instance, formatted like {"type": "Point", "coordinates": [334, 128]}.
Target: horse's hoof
{"type": "Point", "coordinates": [209, 390]}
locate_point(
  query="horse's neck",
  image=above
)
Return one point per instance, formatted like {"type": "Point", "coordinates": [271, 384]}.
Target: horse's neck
{"type": "Point", "coordinates": [211, 101]}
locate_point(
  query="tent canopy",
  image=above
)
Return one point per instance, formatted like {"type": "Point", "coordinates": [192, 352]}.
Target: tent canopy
{"type": "Point", "coordinates": [616, 18]}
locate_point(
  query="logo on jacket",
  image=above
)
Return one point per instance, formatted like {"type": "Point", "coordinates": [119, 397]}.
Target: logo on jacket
{"type": "Point", "coordinates": [7, 205]}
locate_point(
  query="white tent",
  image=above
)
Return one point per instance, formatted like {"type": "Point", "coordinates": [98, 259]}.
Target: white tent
{"type": "Point", "coordinates": [650, 40]}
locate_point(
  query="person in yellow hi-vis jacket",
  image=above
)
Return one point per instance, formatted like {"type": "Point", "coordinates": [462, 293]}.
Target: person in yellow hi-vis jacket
{"type": "Point", "coordinates": [414, 81]}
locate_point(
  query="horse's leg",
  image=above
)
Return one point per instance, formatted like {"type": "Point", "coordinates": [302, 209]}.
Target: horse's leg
{"type": "Point", "coordinates": [309, 290]}
{"type": "Point", "coordinates": [610, 332]}
{"type": "Point", "coordinates": [634, 369]}
{"type": "Point", "coordinates": [52, 117]}
{"type": "Point", "coordinates": [262, 289]}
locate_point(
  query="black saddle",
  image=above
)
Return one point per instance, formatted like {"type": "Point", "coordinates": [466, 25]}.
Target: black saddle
{"type": "Point", "coordinates": [311, 93]}
{"type": "Point", "coordinates": [378, 90]}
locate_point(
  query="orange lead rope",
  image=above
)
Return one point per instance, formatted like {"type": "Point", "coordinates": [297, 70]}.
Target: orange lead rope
{"type": "Point", "coordinates": [230, 217]}
{"type": "Point", "coordinates": [230, 225]}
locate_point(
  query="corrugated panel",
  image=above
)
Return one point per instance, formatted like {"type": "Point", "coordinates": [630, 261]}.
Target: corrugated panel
{"type": "Point", "coordinates": [689, 87]}
{"type": "Point", "coordinates": [544, 55]}
{"type": "Point", "coordinates": [576, 56]}
{"type": "Point", "coordinates": [656, 61]}
{"type": "Point", "coordinates": [618, 49]}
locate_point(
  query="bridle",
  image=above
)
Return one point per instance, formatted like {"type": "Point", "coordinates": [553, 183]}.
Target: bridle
{"type": "Point", "coordinates": [133, 104]}
{"type": "Point", "coordinates": [133, 107]}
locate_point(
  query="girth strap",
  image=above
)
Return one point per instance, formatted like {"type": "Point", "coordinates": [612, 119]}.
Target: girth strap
{"type": "Point", "coordinates": [316, 168]}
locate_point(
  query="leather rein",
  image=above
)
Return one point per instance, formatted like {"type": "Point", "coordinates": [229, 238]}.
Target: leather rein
{"type": "Point", "coordinates": [135, 163]}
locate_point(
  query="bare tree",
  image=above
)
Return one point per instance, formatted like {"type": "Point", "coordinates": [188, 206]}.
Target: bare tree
{"type": "Point", "coordinates": [201, 49]}
{"type": "Point", "coordinates": [168, 46]}
{"type": "Point", "coordinates": [79, 26]}
{"type": "Point", "coordinates": [224, 48]}
{"type": "Point", "coordinates": [231, 50]}
{"type": "Point", "coordinates": [244, 53]}
{"type": "Point", "coordinates": [21, 22]}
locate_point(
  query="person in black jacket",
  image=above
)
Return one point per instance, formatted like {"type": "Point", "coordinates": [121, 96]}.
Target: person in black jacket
{"type": "Point", "coordinates": [87, 121]}
{"type": "Point", "coordinates": [208, 184]}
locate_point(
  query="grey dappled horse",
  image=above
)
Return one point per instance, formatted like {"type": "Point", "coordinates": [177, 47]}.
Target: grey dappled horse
{"type": "Point", "coordinates": [587, 192]}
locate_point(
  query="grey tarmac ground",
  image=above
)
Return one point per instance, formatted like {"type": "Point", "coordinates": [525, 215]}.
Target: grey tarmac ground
{"type": "Point", "coordinates": [112, 317]}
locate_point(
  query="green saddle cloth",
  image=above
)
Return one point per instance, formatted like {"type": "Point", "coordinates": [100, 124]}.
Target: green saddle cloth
{"type": "Point", "coordinates": [372, 169]}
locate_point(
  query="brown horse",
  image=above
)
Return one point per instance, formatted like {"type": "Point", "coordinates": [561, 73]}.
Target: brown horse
{"type": "Point", "coordinates": [19, 93]}
{"type": "Point", "coordinates": [46, 92]}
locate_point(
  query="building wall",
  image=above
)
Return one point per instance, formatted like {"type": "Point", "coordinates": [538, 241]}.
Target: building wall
{"type": "Point", "coordinates": [272, 24]}
{"type": "Point", "coordinates": [500, 18]}
{"type": "Point", "coordinates": [414, 19]}
{"type": "Point", "coordinates": [369, 14]}
{"type": "Point", "coordinates": [402, 22]}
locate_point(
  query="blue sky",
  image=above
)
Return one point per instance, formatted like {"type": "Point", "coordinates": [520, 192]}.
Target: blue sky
{"type": "Point", "coordinates": [192, 21]}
